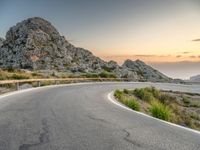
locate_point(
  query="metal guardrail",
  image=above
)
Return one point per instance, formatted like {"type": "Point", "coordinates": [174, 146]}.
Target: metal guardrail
{"type": "Point", "coordinates": [57, 80]}
{"type": "Point", "coordinates": [192, 82]}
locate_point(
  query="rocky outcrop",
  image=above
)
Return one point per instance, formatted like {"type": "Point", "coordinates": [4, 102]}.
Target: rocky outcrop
{"type": "Point", "coordinates": [195, 78]}
{"type": "Point", "coordinates": [34, 44]}
{"type": "Point", "coordinates": [145, 72]}
{"type": "Point", "coordinates": [1, 41]}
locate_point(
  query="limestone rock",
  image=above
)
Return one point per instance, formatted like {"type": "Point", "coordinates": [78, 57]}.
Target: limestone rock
{"type": "Point", "coordinates": [1, 41]}
{"type": "Point", "coordinates": [35, 44]}
{"type": "Point", "coordinates": [145, 72]}
{"type": "Point", "coordinates": [195, 78]}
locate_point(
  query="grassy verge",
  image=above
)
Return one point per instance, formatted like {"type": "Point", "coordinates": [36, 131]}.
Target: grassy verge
{"type": "Point", "coordinates": [175, 107]}
{"type": "Point", "coordinates": [160, 111]}
{"type": "Point", "coordinates": [130, 102]}
{"type": "Point", "coordinates": [18, 75]}
{"type": "Point", "coordinates": [103, 74]}
{"type": "Point", "coordinates": [11, 74]}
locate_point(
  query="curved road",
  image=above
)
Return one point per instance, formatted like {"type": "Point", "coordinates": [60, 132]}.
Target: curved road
{"type": "Point", "coordinates": [80, 117]}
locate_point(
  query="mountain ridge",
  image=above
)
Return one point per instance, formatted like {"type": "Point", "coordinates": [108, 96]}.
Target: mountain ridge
{"type": "Point", "coordinates": [35, 44]}
{"type": "Point", "coordinates": [195, 78]}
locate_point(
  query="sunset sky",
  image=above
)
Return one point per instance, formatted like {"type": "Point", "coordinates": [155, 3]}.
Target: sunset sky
{"type": "Point", "coordinates": [159, 32]}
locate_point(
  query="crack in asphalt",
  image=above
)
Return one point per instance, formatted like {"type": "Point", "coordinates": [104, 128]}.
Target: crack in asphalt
{"type": "Point", "coordinates": [127, 134]}
{"type": "Point", "coordinates": [137, 144]}
{"type": "Point", "coordinates": [58, 120]}
{"type": "Point", "coordinates": [43, 137]}
{"type": "Point", "coordinates": [98, 119]}
{"type": "Point", "coordinates": [127, 139]}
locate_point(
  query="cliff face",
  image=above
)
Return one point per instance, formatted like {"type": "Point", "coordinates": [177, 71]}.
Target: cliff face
{"type": "Point", "coordinates": [1, 41]}
{"type": "Point", "coordinates": [35, 44]}
{"type": "Point", "coordinates": [195, 78]}
{"type": "Point", "coordinates": [144, 71]}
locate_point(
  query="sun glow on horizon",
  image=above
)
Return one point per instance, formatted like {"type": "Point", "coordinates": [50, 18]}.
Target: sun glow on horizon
{"type": "Point", "coordinates": [151, 58]}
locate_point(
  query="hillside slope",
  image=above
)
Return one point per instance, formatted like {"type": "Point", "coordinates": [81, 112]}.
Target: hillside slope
{"type": "Point", "coordinates": [35, 44]}
{"type": "Point", "coordinates": [195, 78]}
{"type": "Point", "coordinates": [1, 41]}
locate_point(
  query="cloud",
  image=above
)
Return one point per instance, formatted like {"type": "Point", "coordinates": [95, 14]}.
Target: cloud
{"type": "Point", "coordinates": [186, 52]}
{"type": "Point", "coordinates": [144, 55]}
{"type": "Point", "coordinates": [196, 40]}
{"type": "Point", "coordinates": [153, 58]}
{"type": "Point", "coordinates": [178, 56]}
{"type": "Point", "coordinates": [192, 56]}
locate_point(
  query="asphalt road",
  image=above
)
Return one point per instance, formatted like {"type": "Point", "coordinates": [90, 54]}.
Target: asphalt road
{"type": "Point", "coordinates": [80, 117]}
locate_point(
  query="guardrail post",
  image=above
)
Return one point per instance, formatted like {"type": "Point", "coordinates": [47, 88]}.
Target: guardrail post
{"type": "Point", "coordinates": [56, 82]}
{"type": "Point", "coordinates": [39, 84]}
{"type": "Point", "coordinates": [17, 86]}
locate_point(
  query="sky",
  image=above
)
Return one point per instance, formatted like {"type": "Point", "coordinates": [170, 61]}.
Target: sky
{"type": "Point", "coordinates": [163, 33]}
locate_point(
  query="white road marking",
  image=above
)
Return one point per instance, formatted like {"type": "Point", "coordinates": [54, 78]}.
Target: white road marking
{"type": "Point", "coordinates": [111, 98]}
{"type": "Point", "coordinates": [35, 88]}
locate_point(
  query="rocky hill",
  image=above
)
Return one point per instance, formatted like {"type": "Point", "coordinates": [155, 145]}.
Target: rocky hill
{"type": "Point", "coordinates": [35, 44]}
{"type": "Point", "coordinates": [144, 71]}
{"type": "Point", "coordinates": [195, 78]}
{"type": "Point", "coordinates": [1, 41]}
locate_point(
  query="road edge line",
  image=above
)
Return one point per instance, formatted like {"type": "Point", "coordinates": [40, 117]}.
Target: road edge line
{"type": "Point", "coordinates": [50, 86]}
{"type": "Point", "coordinates": [42, 87]}
{"type": "Point", "coordinates": [110, 97]}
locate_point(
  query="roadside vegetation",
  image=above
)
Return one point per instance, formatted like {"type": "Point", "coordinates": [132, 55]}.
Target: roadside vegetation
{"type": "Point", "coordinates": [176, 107]}
{"type": "Point", "coordinates": [103, 74]}
{"type": "Point", "coordinates": [14, 74]}
{"type": "Point", "coordinates": [128, 101]}
{"type": "Point", "coordinates": [11, 74]}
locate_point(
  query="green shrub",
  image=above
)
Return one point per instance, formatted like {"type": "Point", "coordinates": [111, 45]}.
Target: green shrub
{"type": "Point", "coordinates": [118, 94]}
{"type": "Point", "coordinates": [103, 74]}
{"type": "Point", "coordinates": [166, 98]}
{"type": "Point", "coordinates": [126, 91]}
{"type": "Point", "coordinates": [148, 97]}
{"type": "Point", "coordinates": [11, 70]}
{"type": "Point", "coordinates": [144, 94]}
{"type": "Point", "coordinates": [2, 77]}
{"type": "Point", "coordinates": [186, 100]}
{"type": "Point", "coordinates": [91, 75]}
{"type": "Point", "coordinates": [19, 77]}
{"type": "Point", "coordinates": [129, 102]}
{"type": "Point", "coordinates": [153, 90]}
{"type": "Point", "coordinates": [34, 74]}
{"type": "Point", "coordinates": [139, 93]}
{"type": "Point", "coordinates": [156, 93]}
{"type": "Point", "coordinates": [106, 74]}
{"type": "Point", "coordinates": [45, 83]}
{"type": "Point", "coordinates": [195, 116]}
{"type": "Point", "coordinates": [195, 104]}
{"type": "Point", "coordinates": [9, 86]}
{"type": "Point", "coordinates": [160, 111]}
{"type": "Point", "coordinates": [132, 103]}
{"type": "Point", "coordinates": [107, 68]}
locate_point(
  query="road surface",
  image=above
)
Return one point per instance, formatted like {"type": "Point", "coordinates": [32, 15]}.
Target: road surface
{"type": "Point", "coordinates": [80, 117]}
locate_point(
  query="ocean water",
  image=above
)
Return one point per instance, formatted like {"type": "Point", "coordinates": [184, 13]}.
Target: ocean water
{"type": "Point", "coordinates": [181, 70]}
